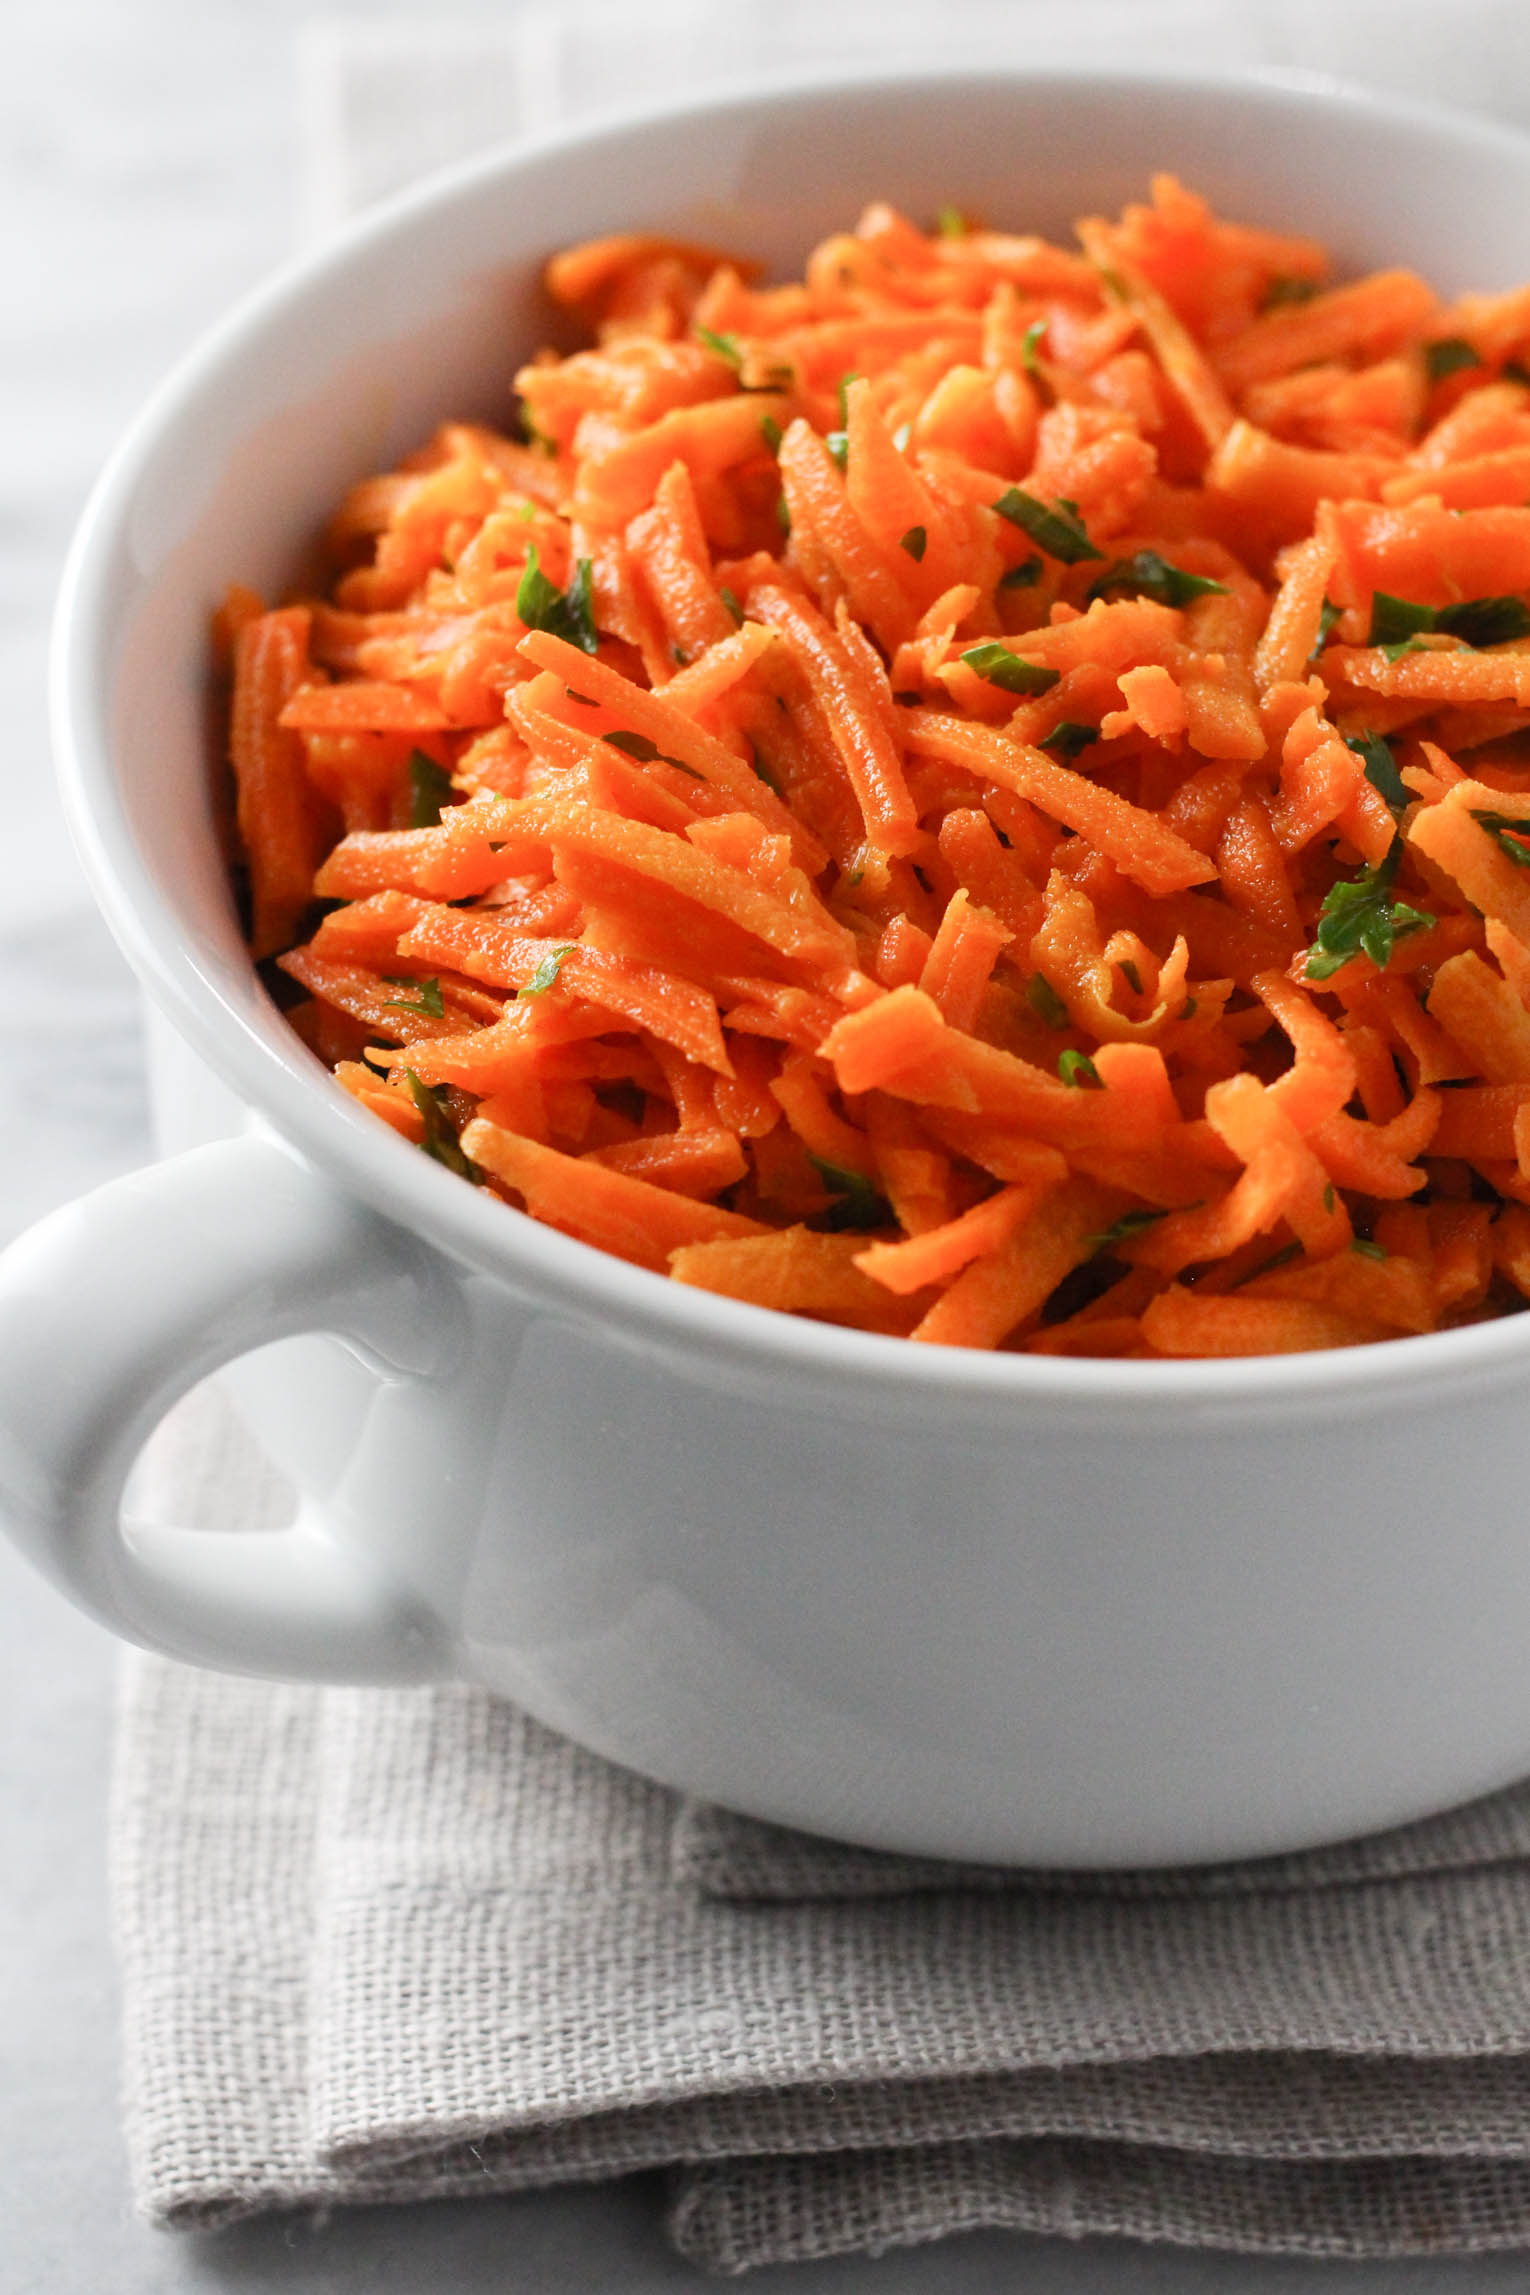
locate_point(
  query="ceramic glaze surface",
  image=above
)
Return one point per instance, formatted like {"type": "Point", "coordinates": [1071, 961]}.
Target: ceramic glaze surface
{"type": "Point", "coordinates": [999, 1608]}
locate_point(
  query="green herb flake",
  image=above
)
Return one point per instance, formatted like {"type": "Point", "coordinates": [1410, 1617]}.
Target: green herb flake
{"type": "Point", "coordinates": [838, 444]}
{"type": "Point", "coordinates": [429, 1005]}
{"type": "Point", "coordinates": [858, 1206]}
{"type": "Point", "coordinates": [635, 745]}
{"type": "Point", "coordinates": [771, 432]}
{"type": "Point", "coordinates": [525, 431]}
{"type": "Point", "coordinates": [998, 666]}
{"type": "Point", "coordinates": [440, 1141]}
{"type": "Point", "coordinates": [1281, 1258]}
{"type": "Point", "coordinates": [1130, 975]}
{"type": "Point", "coordinates": [1069, 739]}
{"type": "Point", "coordinates": [1326, 620]}
{"type": "Point", "coordinates": [568, 614]}
{"type": "Point", "coordinates": [1147, 575]}
{"type": "Point", "coordinates": [1330, 1200]}
{"type": "Point", "coordinates": [1395, 622]}
{"type": "Point", "coordinates": [726, 346]}
{"type": "Point", "coordinates": [1359, 914]}
{"type": "Point", "coordinates": [1029, 346]}
{"type": "Point", "coordinates": [915, 541]}
{"type": "Point", "coordinates": [1485, 621]}
{"type": "Point", "coordinates": [950, 223]}
{"type": "Point", "coordinates": [1367, 1249]}
{"type": "Point", "coordinates": [1045, 1002]}
{"type": "Point", "coordinates": [1058, 530]}
{"type": "Point", "coordinates": [1284, 290]}
{"type": "Point", "coordinates": [547, 971]}
{"type": "Point", "coordinates": [1407, 646]}
{"type": "Point", "coordinates": [1507, 834]}
{"type": "Point", "coordinates": [430, 790]}
{"type": "Point", "coordinates": [732, 604]}
{"type": "Point", "coordinates": [1025, 576]}
{"type": "Point", "coordinates": [1077, 1069]}
{"type": "Point", "coordinates": [1450, 355]}
{"type": "Point", "coordinates": [783, 514]}
{"type": "Point", "coordinates": [1380, 767]}
{"type": "Point", "coordinates": [1122, 1230]}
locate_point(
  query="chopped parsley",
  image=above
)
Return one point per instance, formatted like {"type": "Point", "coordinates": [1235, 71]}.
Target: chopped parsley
{"type": "Point", "coordinates": [857, 1205]}
{"type": "Point", "coordinates": [1025, 576]}
{"type": "Point", "coordinates": [1147, 575]}
{"type": "Point", "coordinates": [526, 433]}
{"type": "Point", "coordinates": [1029, 343]}
{"type": "Point", "coordinates": [1380, 767]}
{"type": "Point", "coordinates": [915, 541]}
{"type": "Point", "coordinates": [726, 346]}
{"type": "Point", "coordinates": [440, 1141]}
{"type": "Point", "coordinates": [1045, 1002]}
{"type": "Point", "coordinates": [1077, 1069]}
{"type": "Point", "coordinates": [1507, 834]}
{"type": "Point", "coordinates": [1367, 1249]}
{"type": "Point", "coordinates": [547, 971]}
{"type": "Point", "coordinates": [1326, 619]}
{"type": "Point", "coordinates": [732, 604]}
{"type": "Point", "coordinates": [635, 745]}
{"type": "Point", "coordinates": [771, 432]}
{"type": "Point", "coordinates": [430, 790]}
{"type": "Point", "coordinates": [1359, 914]}
{"type": "Point", "coordinates": [1068, 739]}
{"type": "Point", "coordinates": [1058, 530]}
{"type": "Point", "coordinates": [1450, 355]}
{"type": "Point", "coordinates": [950, 223]}
{"type": "Point", "coordinates": [998, 666]}
{"type": "Point", "coordinates": [1122, 1230]}
{"type": "Point", "coordinates": [568, 614]}
{"type": "Point", "coordinates": [429, 1006]}
{"type": "Point", "coordinates": [1394, 620]}
{"type": "Point", "coordinates": [1475, 621]}
{"type": "Point", "coordinates": [838, 441]}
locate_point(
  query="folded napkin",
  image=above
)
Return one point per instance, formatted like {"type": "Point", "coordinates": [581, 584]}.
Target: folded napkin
{"type": "Point", "coordinates": [386, 1945]}
{"type": "Point", "coordinates": [389, 1944]}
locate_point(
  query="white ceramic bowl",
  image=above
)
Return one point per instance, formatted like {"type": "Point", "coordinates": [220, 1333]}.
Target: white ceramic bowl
{"type": "Point", "coordinates": [990, 1607]}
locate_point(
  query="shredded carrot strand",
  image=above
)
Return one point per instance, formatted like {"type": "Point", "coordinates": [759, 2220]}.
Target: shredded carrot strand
{"type": "Point", "coordinates": [979, 796]}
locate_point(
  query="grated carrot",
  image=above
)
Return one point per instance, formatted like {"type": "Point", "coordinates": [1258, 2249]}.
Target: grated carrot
{"type": "Point", "coordinates": [982, 797]}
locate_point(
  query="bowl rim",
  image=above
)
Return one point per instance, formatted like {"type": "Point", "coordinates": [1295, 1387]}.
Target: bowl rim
{"type": "Point", "coordinates": [366, 1157]}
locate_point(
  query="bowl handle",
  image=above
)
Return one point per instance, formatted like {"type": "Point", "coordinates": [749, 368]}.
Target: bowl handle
{"type": "Point", "coordinates": [112, 1308]}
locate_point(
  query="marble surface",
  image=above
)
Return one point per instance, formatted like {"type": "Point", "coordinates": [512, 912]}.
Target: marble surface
{"type": "Point", "coordinates": [149, 171]}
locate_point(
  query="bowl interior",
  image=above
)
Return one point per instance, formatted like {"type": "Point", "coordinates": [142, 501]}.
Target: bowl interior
{"type": "Point", "coordinates": [424, 312]}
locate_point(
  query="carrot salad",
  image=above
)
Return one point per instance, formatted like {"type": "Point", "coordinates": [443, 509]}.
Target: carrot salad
{"type": "Point", "coordinates": [983, 795]}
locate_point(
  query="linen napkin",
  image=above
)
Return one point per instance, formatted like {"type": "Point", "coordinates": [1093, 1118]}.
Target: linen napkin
{"type": "Point", "coordinates": [391, 1944]}
{"type": "Point", "coordinates": [387, 1945]}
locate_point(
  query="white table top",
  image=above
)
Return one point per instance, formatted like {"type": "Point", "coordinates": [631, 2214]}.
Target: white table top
{"type": "Point", "coordinates": [147, 170]}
